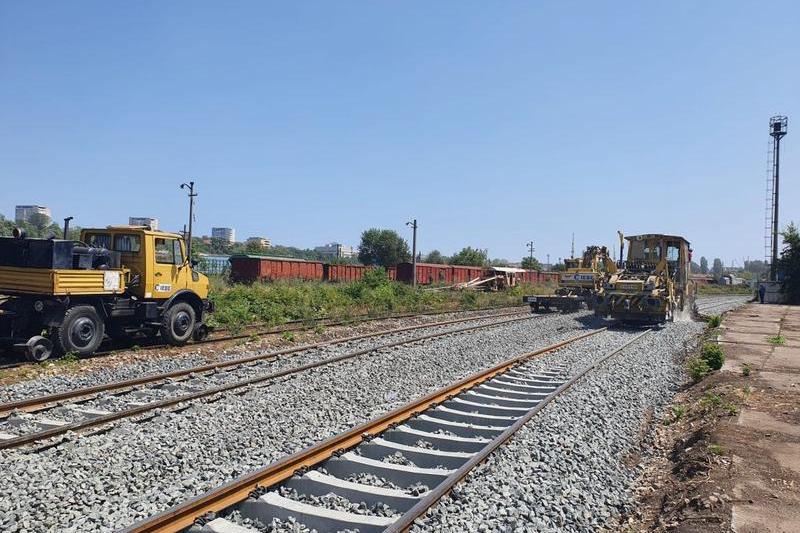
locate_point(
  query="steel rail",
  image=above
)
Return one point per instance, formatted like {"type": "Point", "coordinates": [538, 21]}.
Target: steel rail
{"type": "Point", "coordinates": [184, 515]}
{"type": "Point", "coordinates": [30, 404]}
{"type": "Point", "coordinates": [431, 498]}
{"type": "Point", "coordinates": [169, 402]}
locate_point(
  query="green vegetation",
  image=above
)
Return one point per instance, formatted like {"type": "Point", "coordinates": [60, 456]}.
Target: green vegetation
{"type": "Point", "coordinates": [713, 355]}
{"type": "Point", "coordinates": [714, 321]}
{"type": "Point", "coordinates": [279, 302]}
{"type": "Point", "coordinates": [288, 336]}
{"type": "Point", "coordinates": [789, 264]}
{"type": "Point", "coordinates": [68, 358]}
{"type": "Point", "coordinates": [716, 449]}
{"type": "Point", "coordinates": [677, 412]}
{"type": "Point", "coordinates": [382, 247]}
{"type": "Point", "coordinates": [777, 340]}
{"type": "Point", "coordinates": [697, 368]}
{"type": "Point", "coordinates": [40, 226]}
{"type": "Point", "coordinates": [470, 256]}
{"type": "Point", "coordinates": [724, 289]}
{"type": "Point", "coordinates": [531, 263]}
{"type": "Point", "coordinates": [746, 369]}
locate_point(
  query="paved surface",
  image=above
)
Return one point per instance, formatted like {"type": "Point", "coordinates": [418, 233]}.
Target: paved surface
{"type": "Point", "coordinates": [765, 442]}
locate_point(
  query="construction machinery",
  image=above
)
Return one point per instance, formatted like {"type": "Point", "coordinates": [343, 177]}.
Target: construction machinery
{"type": "Point", "coordinates": [652, 285]}
{"type": "Point", "coordinates": [579, 283]}
{"type": "Point", "coordinates": [65, 296]}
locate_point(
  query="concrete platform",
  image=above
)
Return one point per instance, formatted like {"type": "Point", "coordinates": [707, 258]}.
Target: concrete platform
{"type": "Point", "coordinates": [765, 442]}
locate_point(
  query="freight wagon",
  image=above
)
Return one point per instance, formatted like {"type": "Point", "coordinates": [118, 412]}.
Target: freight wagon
{"type": "Point", "coordinates": [343, 273]}
{"type": "Point", "coordinates": [433, 274]}
{"type": "Point", "coordinates": [250, 268]}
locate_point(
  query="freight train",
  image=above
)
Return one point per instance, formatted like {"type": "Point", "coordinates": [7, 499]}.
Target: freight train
{"type": "Point", "coordinates": [251, 268]}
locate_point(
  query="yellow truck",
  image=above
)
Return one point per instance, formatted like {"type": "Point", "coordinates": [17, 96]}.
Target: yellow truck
{"type": "Point", "coordinates": [652, 284]}
{"type": "Point", "coordinates": [65, 296]}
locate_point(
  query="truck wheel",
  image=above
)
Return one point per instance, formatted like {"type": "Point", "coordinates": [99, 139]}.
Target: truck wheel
{"type": "Point", "coordinates": [81, 331]}
{"type": "Point", "coordinates": [177, 325]}
{"type": "Point", "coordinates": [38, 349]}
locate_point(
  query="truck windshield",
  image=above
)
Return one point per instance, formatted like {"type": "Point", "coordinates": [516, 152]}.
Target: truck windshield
{"type": "Point", "coordinates": [127, 242]}
{"type": "Point", "coordinates": [99, 240]}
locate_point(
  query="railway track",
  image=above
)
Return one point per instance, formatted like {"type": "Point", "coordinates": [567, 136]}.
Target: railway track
{"type": "Point", "coordinates": [387, 472]}
{"type": "Point", "coordinates": [730, 303]}
{"type": "Point", "coordinates": [259, 330]}
{"type": "Point", "coordinates": [35, 419]}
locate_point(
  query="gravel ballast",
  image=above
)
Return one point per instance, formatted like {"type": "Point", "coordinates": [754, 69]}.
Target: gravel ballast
{"type": "Point", "coordinates": [572, 466]}
{"type": "Point", "coordinates": [107, 481]}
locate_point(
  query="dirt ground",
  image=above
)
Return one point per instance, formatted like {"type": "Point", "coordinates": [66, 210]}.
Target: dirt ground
{"type": "Point", "coordinates": [728, 452]}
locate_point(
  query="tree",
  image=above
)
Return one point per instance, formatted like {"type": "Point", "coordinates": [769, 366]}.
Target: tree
{"type": "Point", "coordinates": [694, 268]}
{"type": "Point", "coordinates": [500, 262]}
{"type": "Point", "coordinates": [435, 257]}
{"type": "Point", "coordinates": [469, 256]}
{"type": "Point", "coordinates": [789, 264]}
{"type": "Point", "coordinates": [559, 267]}
{"type": "Point", "coordinates": [41, 222]}
{"type": "Point", "coordinates": [382, 247]}
{"type": "Point", "coordinates": [717, 269]}
{"type": "Point", "coordinates": [703, 265]}
{"type": "Point", "coordinates": [531, 263]}
{"type": "Point", "coordinates": [757, 267]}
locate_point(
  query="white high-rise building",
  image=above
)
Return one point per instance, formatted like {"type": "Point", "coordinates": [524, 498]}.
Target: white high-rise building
{"type": "Point", "coordinates": [335, 249]}
{"type": "Point", "coordinates": [226, 234]}
{"type": "Point", "coordinates": [23, 213]}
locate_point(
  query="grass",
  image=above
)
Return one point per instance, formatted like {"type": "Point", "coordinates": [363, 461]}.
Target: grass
{"type": "Point", "coordinates": [714, 321]}
{"type": "Point", "coordinates": [238, 305]}
{"type": "Point", "coordinates": [288, 336]}
{"type": "Point", "coordinates": [724, 289]}
{"type": "Point", "coordinates": [716, 449]}
{"type": "Point", "coordinates": [777, 340]}
{"type": "Point", "coordinates": [69, 358]}
{"type": "Point", "coordinates": [746, 369]}
{"type": "Point", "coordinates": [676, 414]}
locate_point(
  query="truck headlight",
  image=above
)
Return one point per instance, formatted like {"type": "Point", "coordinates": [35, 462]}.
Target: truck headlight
{"type": "Point", "coordinates": [38, 306]}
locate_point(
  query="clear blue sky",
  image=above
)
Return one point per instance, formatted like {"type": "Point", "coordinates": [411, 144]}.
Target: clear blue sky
{"type": "Point", "coordinates": [493, 123]}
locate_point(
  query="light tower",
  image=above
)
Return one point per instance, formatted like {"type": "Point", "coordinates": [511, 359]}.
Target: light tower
{"type": "Point", "coordinates": [777, 130]}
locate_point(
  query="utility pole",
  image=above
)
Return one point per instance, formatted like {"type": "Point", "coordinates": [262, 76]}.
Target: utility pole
{"type": "Point", "coordinates": [572, 251]}
{"type": "Point", "coordinates": [530, 248]}
{"type": "Point", "coordinates": [413, 225]}
{"type": "Point", "coordinates": [548, 262]}
{"type": "Point", "coordinates": [192, 196]}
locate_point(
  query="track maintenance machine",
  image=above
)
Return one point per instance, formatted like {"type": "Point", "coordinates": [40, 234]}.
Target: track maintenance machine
{"type": "Point", "coordinates": [652, 285]}
{"type": "Point", "coordinates": [579, 283]}
{"type": "Point", "coordinates": [64, 296]}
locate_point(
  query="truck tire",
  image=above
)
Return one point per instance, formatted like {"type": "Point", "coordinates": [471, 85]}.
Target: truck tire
{"type": "Point", "coordinates": [177, 324]}
{"type": "Point", "coordinates": [81, 331]}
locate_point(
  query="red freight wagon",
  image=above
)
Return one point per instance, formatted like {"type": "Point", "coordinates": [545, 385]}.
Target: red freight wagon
{"type": "Point", "coordinates": [433, 274]}
{"type": "Point", "coordinates": [249, 268]}
{"type": "Point", "coordinates": [343, 272]}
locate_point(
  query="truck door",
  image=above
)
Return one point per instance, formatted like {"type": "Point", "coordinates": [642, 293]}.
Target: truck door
{"type": "Point", "coordinates": [168, 274]}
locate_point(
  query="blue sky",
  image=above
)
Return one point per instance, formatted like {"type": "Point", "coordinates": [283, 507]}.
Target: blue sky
{"type": "Point", "coordinates": [492, 123]}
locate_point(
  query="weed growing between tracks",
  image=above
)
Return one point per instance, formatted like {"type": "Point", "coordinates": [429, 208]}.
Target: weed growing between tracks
{"type": "Point", "coordinates": [238, 305]}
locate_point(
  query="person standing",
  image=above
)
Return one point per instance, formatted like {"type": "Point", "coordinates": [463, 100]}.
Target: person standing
{"type": "Point", "coordinates": [762, 290]}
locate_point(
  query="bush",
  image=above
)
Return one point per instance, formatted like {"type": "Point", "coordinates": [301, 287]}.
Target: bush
{"type": "Point", "coordinates": [697, 368]}
{"type": "Point", "coordinates": [713, 355]}
{"type": "Point", "coordinates": [714, 321]}
{"type": "Point", "coordinates": [746, 369]}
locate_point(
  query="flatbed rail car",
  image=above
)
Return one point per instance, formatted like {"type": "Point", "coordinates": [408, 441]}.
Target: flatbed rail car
{"type": "Point", "coordinates": [578, 286]}
{"type": "Point", "coordinates": [66, 296]}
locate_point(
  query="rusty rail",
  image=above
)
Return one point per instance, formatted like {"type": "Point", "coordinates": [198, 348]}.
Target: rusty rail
{"type": "Point", "coordinates": [31, 404]}
{"type": "Point", "coordinates": [184, 515]}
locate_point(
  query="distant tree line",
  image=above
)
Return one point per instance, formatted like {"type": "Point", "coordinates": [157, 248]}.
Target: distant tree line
{"type": "Point", "coordinates": [40, 226]}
